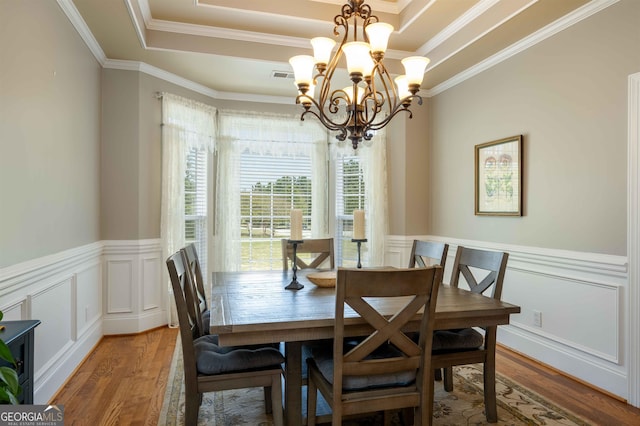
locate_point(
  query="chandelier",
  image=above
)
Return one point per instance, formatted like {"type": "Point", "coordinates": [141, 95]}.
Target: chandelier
{"type": "Point", "coordinates": [372, 99]}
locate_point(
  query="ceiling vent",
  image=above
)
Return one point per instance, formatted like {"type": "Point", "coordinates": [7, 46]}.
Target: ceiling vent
{"type": "Point", "coordinates": [282, 74]}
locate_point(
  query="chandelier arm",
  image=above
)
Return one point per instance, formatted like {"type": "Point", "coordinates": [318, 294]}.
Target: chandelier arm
{"type": "Point", "coordinates": [375, 108]}
{"type": "Point", "coordinates": [329, 125]}
{"type": "Point", "coordinates": [399, 108]}
{"type": "Point", "coordinates": [324, 119]}
{"type": "Point", "coordinates": [387, 84]}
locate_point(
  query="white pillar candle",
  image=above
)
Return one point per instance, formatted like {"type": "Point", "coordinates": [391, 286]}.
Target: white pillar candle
{"type": "Point", "coordinates": [358, 224]}
{"type": "Point", "coordinates": [296, 224]}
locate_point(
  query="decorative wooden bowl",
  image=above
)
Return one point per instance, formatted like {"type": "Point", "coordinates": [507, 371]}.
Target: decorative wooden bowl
{"type": "Point", "coordinates": [323, 279]}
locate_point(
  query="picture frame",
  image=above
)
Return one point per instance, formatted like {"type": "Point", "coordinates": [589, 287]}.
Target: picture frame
{"type": "Point", "coordinates": [498, 177]}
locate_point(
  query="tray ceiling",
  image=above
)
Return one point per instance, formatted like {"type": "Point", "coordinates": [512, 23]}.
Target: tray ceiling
{"type": "Point", "coordinates": [235, 46]}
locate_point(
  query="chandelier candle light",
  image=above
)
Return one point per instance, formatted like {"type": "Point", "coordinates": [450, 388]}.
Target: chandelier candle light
{"type": "Point", "coordinates": [376, 100]}
{"type": "Point", "coordinates": [295, 239]}
{"type": "Point", "coordinates": [358, 231]}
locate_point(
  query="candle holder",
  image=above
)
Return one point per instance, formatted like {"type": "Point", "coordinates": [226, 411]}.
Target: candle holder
{"type": "Point", "coordinates": [359, 241]}
{"type": "Point", "coordinates": [294, 284]}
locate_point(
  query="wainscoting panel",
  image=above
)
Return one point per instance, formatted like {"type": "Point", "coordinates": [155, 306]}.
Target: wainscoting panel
{"type": "Point", "coordinates": [55, 289]}
{"type": "Point", "coordinates": [134, 290]}
{"type": "Point", "coordinates": [121, 286]}
{"type": "Point", "coordinates": [15, 311]}
{"type": "Point", "coordinates": [152, 282]}
{"type": "Point", "coordinates": [580, 298]}
{"type": "Point", "coordinates": [56, 331]}
{"type": "Point", "coordinates": [88, 297]}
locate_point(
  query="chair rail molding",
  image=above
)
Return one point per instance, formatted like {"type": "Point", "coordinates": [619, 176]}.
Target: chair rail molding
{"type": "Point", "coordinates": [633, 239]}
{"type": "Point", "coordinates": [591, 345]}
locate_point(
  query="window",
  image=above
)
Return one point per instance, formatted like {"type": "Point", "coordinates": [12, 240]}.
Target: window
{"type": "Point", "coordinates": [263, 164]}
{"type": "Point", "coordinates": [270, 186]}
{"type": "Point", "coordinates": [349, 190]}
{"type": "Point", "coordinates": [195, 204]}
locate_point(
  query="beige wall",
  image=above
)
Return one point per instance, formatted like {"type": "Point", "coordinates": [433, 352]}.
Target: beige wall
{"type": "Point", "coordinates": [132, 150]}
{"type": "Point", "coordinates": [49, 134]}
{"type": "Point", "coordinates": [568, 96]}
{"type": "Point", "coordinates": [407, 171]}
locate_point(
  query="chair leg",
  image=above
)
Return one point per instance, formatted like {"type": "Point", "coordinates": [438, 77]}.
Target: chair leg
{"type": "Point", "coordinates": [490, 404]}
{"type": "Point", "coordinates": [387, 415]}
{"type": "Point", "coordinates": [408, 416]}
{"type": "Point", "coordinates": [276, 401]}
{"type": "Point", "coordinates": [438, 375]}
{"type": "Point", "coordinates": [448, 379]}
{"type": "Point", "coordinates": [267, 400]}
{"type": "Point", "coordinates": [424, 412]}
{"type": "Point", "coordinates": [191, 408]}
{"type": "Point", "coordinates": [312, 399]}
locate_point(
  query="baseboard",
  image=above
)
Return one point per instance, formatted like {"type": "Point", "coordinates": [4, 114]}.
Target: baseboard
{"type": "Point", "coordinates": [48, 383]}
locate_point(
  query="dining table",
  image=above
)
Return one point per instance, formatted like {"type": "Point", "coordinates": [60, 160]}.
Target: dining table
{"type": "Point", "coordinates": [254, 307]}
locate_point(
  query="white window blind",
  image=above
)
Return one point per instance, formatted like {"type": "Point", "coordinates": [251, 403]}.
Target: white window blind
{"type": "Point", "coordinates": [270, 186]}
{"type": "Point", "coordinates": [195, 204]}
{"type": "Point", "coordinates": [349, 197]}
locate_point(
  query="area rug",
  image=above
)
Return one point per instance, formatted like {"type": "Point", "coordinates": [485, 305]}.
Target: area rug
{"type": "Point", "coordinates": [517, 405]}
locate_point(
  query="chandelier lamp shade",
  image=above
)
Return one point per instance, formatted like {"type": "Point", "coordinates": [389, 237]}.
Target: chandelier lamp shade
{"type": "Point", "coordinates": [372, 100]}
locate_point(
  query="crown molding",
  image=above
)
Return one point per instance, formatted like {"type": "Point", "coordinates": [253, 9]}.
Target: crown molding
{"type": "Point", "coordinates": [561, 24]}
{"type": "Point", "coordinates": [82, 28]}
{"type": "Point", "coordinates": [416, 16]}
{"type": "Point", "coordinates": [464, 20]}
{"type": "Point", "coordinates": [227, 33]}
{"type": "Point", "coordinates": [145, 15]}
{"type": "Point", "coordinates": [142, 67]}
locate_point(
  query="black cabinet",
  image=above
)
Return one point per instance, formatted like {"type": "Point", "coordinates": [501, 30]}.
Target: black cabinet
{"type": "Point", "coordinates": [18, 335]}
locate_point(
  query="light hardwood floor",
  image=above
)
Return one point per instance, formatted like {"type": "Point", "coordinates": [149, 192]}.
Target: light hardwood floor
{"type": "Point", "coordinates": [122, 382]}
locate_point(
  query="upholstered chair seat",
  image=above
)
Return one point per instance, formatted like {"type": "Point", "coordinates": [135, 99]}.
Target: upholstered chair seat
{"type": "Point", "coordinates": [456, 340]}
{"type": "Point", "coordinates": [214, 359]}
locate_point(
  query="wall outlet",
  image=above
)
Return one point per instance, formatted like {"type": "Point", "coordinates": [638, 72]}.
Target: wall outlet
{"type": "Point", "coordinates": [537, 318]}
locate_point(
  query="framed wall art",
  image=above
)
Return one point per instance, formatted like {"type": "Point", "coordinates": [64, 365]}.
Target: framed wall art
{"type": "Point", "coordinates": [498, 177]}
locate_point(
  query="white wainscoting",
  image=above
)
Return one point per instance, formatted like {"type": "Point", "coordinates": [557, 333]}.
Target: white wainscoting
{"type": "Point", "coordinates": [581, 298]}
{"type": "Point", "coordinates": [134, 290]}
{"type": "Point", "coordinates": [79, 295]}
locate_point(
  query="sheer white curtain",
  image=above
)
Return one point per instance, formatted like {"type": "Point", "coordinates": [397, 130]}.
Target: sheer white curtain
{"type": "Point", "coordinates": [186, 124]}
{"type": "Point", "coordinates": [373, 160]}
{"type": "Point", "coordinates": [374, 173]}
{"type": "Point", "coordinates": [266, 134]}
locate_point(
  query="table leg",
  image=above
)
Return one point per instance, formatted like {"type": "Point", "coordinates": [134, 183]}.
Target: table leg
{"type": "Point", "coordinates": [293, 383]}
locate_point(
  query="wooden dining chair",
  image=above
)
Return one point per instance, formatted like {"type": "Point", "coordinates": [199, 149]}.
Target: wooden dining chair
{"type": "Point", "coordinates": [193, 265]}
{"type": "Point", "coordinates": [209, 367]}
{"type": "Point", "coordinates": [484, 273]}
{"type": "Point", "coordinates": [317, 251]}
{"type": "Point", "coordinates": [428, 253]}
{"type": "Point", "coordinates": [387, 370]}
